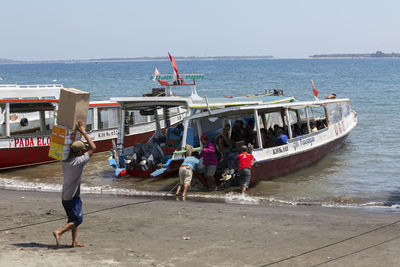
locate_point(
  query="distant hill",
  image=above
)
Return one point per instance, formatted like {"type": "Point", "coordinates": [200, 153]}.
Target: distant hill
{"type": "Point", "coordinates": [8, 61]}
{"type": "Point", "coordinates": [377, 54]}
{"type": "Point", "coordinates": [97, 60]}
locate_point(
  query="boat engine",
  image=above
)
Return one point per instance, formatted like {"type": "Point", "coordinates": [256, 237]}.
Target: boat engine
{"type": "Point", "coordinates": [145, 157]}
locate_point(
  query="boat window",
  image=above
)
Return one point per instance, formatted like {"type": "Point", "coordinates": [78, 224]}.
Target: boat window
{"type": "Point", "coordinates": [211, 126]}
{"type": "Point", "coordinates": [175, 111]}
{"type": "Point", "coordinates": [137, 118]}
{"type": "Point", "coordinates": [272, 119]}
{"type": "Point", "coordinates": [334, 112]}
{"type": "Point", "coordinates": [2, 113]}
{"type": "Point", "coordinates": [292, 117]}
{"type": "Point", "coordinates": [89, 120]}
{"type": "Point", "coordinates": [345, 109]}
{"type": "Point", "coordinates": [318, 113]}
{"type": "Point", "coordinates": [302, 114]}
{"type": "Point", "coordinates": [108, 118]}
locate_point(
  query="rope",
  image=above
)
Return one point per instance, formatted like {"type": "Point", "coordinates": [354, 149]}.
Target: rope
{"type": "Point", "coordinates": [87, 213]}
{"type": "Point", "coordinates": [334, 243]}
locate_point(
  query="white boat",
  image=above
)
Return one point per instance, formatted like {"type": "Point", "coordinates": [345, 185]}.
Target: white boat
{"type": "Point", "coordinates": [28, 113]}
{"type": "Point", "coordinates": [334, 118]}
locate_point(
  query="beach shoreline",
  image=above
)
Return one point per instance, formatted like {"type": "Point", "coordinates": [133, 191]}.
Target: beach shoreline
{"type": "Point", "coordinates": [154, 232]}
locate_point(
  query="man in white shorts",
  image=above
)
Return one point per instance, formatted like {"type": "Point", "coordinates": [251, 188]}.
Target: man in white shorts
{"type": "Point", "coordinates": [186, 171]}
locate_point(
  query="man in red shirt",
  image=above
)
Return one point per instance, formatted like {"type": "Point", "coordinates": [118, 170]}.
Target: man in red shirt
{"type": "Point", "coordinates": [246, 160]}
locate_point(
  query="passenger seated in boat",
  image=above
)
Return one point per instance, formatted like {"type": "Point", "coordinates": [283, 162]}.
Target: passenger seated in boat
{"type": "Point", "coordinates": [276, 130]}
{"type": "Point", "coordinates": [223, 143]}
{"type": "Point", "coordinates": [268, 138]}
{"type": "Point", "coordinates": [313, 127]}
{"type": "Point", "coordinates": [321, 124]}
{"type": "Point", "coordinates": [296, 131]}
{"type": "Point", "coordinates": [281, 139]}
{"type": "Point", "coordinates": [237, 132]}
{"type": "Point", "coordinates": [250, 134]}
{"type": "Point", "coordinates": [304, 129]}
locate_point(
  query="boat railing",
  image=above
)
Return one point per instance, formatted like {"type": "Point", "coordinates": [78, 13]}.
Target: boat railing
{"type": "Point", "coordinates": [41, 86]}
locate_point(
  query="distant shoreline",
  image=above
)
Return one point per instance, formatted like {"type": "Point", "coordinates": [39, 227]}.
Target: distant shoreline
{"type": "Point", "coordinates": [100, 60]}
{"type": "Point", "coordinates": [377, 54]}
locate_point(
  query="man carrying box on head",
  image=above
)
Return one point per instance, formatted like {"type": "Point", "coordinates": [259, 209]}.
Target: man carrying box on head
{"type": "Point", "coordinates": [72, 171]}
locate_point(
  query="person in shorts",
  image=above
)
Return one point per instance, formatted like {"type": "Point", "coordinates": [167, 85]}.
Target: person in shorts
{"type": "Point", "coordinates": [246, 160]}
{"type": "Point", "coordinates": [72, 171]}
{"type": "Point", "coordinates": [186, 171]}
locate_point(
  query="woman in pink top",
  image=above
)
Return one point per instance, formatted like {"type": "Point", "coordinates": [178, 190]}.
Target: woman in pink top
{"type": "Point", "coordinates": [210, 160]}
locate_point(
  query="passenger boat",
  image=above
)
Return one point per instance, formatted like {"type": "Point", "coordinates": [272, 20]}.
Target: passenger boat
{"type": "Point", "coordinates": [145, 158]}
{"type": "Point", "coordinates": [28, 112]}
{"type": "Point", "coordinates": [334, 119]}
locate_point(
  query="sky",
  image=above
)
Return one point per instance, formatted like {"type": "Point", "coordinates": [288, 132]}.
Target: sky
{"type": "Point", "coordinates": [84, 29]}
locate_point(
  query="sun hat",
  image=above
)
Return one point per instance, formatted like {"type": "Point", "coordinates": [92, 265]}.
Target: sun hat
{"type": "Point", "coordinates": [78, 146]}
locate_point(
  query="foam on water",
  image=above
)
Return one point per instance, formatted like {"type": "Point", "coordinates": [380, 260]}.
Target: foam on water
{"type": "Point", "coordinates": [230, 197]}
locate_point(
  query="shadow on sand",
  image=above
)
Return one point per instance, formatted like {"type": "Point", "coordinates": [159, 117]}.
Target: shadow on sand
{"type": "Point", "coordinates": [39, 245]}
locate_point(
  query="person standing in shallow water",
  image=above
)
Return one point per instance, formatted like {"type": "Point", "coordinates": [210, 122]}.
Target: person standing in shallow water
{"type": "Point", "coordinates": [72, 171]}
{"type": "Point", "coordinates": [246, 160]}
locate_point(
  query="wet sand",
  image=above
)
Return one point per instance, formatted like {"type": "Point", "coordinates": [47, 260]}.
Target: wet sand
{"type": "Point", "coordinates": [154, 232]}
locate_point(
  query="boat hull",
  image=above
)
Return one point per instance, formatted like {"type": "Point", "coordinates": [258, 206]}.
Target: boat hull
{"type": "Point", "coordinates": [35, 152]}
{"type": "Point", "coordinates": [269, 169]}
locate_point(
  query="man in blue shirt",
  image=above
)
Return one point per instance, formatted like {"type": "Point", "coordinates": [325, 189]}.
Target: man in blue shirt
{"type": "Point", "coordinates": [186, 171]}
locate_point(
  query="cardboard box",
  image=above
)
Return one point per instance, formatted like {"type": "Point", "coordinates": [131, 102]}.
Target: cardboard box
{"type": "Point", "coordinates": [59, 151]}
{"type": "Point", "coordinates": [64, 136]}
{"type": "Point", "coordinates": [73, 106]}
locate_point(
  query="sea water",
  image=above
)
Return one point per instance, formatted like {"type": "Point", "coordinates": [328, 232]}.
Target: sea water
{"type": "Point", "coordinates": [364, 172]}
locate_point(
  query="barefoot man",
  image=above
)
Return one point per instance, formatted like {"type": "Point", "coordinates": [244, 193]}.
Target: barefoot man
{"type": "Point", "coordinates": [72, 171]}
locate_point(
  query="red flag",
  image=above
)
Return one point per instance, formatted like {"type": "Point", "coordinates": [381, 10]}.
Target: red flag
{"type": "Point", "coordinates": [315, 92]}
{"type": "Point", "coordinates": [176, 74]}
{"type": "Point", "coordinates": [162, 82]}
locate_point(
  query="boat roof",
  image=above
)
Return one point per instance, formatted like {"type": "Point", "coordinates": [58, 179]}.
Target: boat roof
{"type": "Point", "coordinates": [37, 91]}
{"type": "Point", "coordinates": [249, 109]}
{"type": "Point", "coordinates": [143, 102]}
{"type": "Point", "coordinates": [30, 105]}
{"type": "Point", "coordinates": [221, 102]}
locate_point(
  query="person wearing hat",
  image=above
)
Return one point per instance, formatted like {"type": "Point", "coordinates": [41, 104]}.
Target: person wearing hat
{"type": "Point", "coordinates": [186, 171]}
{"type": "Point", "coordinates": [331, 96]}
{"type": "Point", "coordinates": [72, 171]}
{"type": "Point", "coordinates": [210, 159]}
{"type": "Point", "coordinates": [246, 160]}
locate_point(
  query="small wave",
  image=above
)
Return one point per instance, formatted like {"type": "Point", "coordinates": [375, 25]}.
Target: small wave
{"type": "Point", "coordinates": [230, 197]}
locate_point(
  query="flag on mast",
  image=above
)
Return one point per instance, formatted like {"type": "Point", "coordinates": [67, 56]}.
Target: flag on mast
{"type": "Point", "coordinates": [157, 78]}
{"type": "Point", "coordinates": [315, 92]}
{"type": "Point", "coordinates": [176, 74]}
{"type": "Point", "coordinates": [156, 73]}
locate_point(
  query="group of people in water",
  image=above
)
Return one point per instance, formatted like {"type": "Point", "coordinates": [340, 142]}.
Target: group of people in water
{"type": "Point", "coordinates": [212, 158]}
{"type": "Point", "coordinates": [231, 151]}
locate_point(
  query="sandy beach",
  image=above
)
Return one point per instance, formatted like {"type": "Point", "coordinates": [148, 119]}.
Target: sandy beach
{"type": "Point", "coordinates": [120, 231]}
